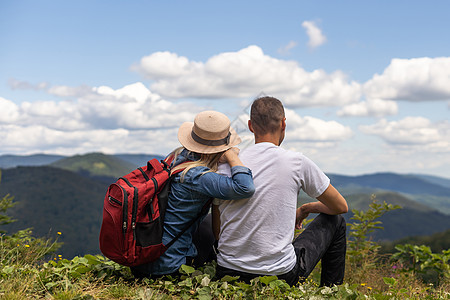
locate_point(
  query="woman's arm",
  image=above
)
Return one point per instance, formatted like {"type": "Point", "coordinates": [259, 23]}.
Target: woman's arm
{"type": "Point", "coordinates": [238, 186]}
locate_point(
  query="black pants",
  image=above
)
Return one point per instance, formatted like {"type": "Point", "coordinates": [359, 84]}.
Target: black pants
{"type": "Point", "coordinates": [204, 240]}
{"type": "Point", "coordinates": [323, 239]}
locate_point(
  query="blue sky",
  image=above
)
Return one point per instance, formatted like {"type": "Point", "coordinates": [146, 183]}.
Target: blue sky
{"type": "Point", "coordinates": [366, 86]}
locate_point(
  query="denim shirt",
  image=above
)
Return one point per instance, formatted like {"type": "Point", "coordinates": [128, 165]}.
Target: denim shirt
{"type": "Point", "coordinates": [186, 200]}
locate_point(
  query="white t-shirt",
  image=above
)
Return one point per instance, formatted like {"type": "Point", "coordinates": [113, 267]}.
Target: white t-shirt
{"type": "Point", "coordinates": [256, 234]}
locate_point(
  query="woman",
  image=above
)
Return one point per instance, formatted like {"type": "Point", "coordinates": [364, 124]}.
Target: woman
{"type": "Point", "coordinates": [204, 142]}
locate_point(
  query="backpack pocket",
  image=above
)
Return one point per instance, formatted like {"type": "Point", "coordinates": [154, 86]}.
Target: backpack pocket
{"type": "Point", "coordinates": [149, 233]}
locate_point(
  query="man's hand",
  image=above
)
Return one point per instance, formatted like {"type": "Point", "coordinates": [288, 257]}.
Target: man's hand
{"type": "Point", "coordinates": [301, 214]}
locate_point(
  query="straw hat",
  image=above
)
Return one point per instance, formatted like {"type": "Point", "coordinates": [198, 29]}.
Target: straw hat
{"type": "Point", "coordinates": [210, 133]}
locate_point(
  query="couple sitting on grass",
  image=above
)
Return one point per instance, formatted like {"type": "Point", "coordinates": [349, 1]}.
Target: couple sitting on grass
{"type": "Point", "coordinates": [255, 204]}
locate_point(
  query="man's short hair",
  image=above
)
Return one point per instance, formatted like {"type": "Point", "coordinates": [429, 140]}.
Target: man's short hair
{"type": "Point", "coordinates": [266, 114]}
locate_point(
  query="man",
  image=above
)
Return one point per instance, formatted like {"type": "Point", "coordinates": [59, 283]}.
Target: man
{"type": "Point", "coordinates": [256, 234]}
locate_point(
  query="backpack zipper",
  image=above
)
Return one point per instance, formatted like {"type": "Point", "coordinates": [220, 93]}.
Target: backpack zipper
{"type": "Point", "coordinates": [134, 212]}
{"type": "Point", "coordinates": [124, 210]}
{"type": "Point", "coordinates": [112, 199]}
{"type": "Point", "coordinates": [155, 185]}
{"type": "Point", "coordinates": [135, 206]}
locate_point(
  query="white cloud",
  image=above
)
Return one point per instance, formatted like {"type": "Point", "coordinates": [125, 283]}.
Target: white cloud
{"type": "Point", "coordinates": [69, 91]}
{"type": "Point", "coordinates": [243, 74]}
{"type": "Point", "coordinates": [129, 119]}
{"type": "Point", "coordinates": [310, 129]}
{"type": "Point", "coordinates": [285, 50]}
{"type": "Point", "coordinates": [9, 111]}
{"type": "Point", "coordinates": [24, 85]}
{"type": "Point", "coordinates": [411, 132]}
{"type": "Point", "coordinates": [164, 65]}
{"type": "Point", "coordinates": [369, 108]}
{"type": "Point", "coordinates": [63, 115]}
{"type": "Point", "coordinates": [321, 89]}
{"type": "Point", "coordinates": [417, 79]}
{"type": "Point", "coordinates": [131, 107]}
{"type": "Point", "coordinates": [316, 38]}
{"type": "Point", "coordinates": [38, 138]}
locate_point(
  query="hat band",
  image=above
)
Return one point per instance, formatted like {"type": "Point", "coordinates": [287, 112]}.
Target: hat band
{"type": "Point", "coordinates": [220, 142]}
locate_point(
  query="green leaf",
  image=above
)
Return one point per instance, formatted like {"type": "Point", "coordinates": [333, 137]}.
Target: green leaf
{"type": "Point", "coordinates": [390, 281]}
{"type": "Point", "coordinates": [187, 282]}
{"type": "Point", "coordinates": [210, 270]}
{"type": "Point", "coordinates": [187, 269]}
{"type": "Point", "coordinates": [83, 269]}
{"type": "Point", "coordinates": [267, 279]}
{"type": "Point", "coordinates": [205, 281]}
{"type": "Point", "coordinates": [92, 260]}
{"type": "Point", "coordinates": [228, 278]}
{"type": "Point", "coordinates": [278, 284]}
{"type": "Point", "coordinates": [7, 270]}
{"type": "Point", "coordinates": [204, 293]}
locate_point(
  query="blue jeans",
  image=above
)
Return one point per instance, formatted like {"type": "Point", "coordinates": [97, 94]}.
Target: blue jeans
{"type": "Point", "coordinates": [323, 239]}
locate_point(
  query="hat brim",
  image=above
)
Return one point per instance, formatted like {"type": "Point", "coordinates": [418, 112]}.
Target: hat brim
{"type": "Point", "coordinates": [185, 138]}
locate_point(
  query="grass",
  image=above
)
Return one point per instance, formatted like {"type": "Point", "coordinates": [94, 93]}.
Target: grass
{"type": "Point", "coordinates": [100, 281]}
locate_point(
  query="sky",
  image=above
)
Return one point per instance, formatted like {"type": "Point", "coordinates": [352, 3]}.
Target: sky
{"type": "Point", "coordinates": [365, 85]}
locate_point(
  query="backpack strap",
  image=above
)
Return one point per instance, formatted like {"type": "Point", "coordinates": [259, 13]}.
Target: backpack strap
{"type": "Point", "coordinates": [204, 211]}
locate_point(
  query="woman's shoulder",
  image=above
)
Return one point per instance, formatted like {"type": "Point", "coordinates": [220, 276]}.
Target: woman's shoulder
{"type": "Point", "coordinates": [194, 173]}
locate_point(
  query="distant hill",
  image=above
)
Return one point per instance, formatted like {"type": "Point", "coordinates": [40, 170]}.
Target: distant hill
{"type": "Point", "coordinates": [434, 179]}
{"type": "Point", "coordinates": [427, 190]}
{"type": "Point", "coordinates": [393, 182]}
{"type": "Point", "coordinates": [362, 201]}
{"type": "Point", "coordinates": [414, 219]}
{"type": "Point", "coordinates": [95, 164]}
{"type": "Point", "coordinates": [12, 161]}
{"type": "Point", "coordinates": [138, 160]}
{"type": "Point", "coordinates": [51, 200]}
{"type": "Point", "coordinates": [437, 242]}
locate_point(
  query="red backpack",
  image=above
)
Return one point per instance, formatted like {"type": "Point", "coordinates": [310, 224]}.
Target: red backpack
{"type": "Point", "coordinates": [133, 215]}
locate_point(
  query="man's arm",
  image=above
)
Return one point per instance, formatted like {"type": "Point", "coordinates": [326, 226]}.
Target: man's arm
{"type": "Point", "coordinates": [330, 202]}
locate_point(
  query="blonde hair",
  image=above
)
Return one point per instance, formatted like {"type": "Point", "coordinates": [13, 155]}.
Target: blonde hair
{"type": "Point", "coordinates": [210, 161]}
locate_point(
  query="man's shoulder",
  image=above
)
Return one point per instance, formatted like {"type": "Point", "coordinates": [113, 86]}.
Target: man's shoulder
{"type": "Point", "coordinates": [259, 148]}
{"type": "Point", "coordinates": [271, 149]}
{"type": "Point", "coordinates": [266, 156]}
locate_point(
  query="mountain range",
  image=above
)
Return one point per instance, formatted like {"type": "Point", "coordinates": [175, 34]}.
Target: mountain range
{"type": "Point", "coordinates": [65, 194]}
